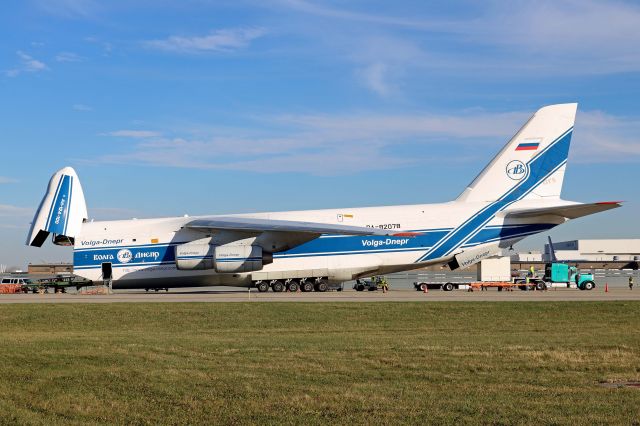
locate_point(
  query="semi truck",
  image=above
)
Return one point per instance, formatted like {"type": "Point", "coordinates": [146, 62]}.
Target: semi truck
{"type": "Point", "coordinates": [497, 273]}
{"type": "Point", "coordinates": [560, 273]}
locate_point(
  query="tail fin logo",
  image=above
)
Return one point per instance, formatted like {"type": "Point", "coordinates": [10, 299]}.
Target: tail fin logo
{"type": "Point", "coordinates": [517, 170]}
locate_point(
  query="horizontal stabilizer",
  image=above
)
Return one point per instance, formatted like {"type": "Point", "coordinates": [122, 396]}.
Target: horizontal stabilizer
{"type": "Point", "coordinates": [245, 224]}
{"type": "Point", "coordinates": [571, 211]}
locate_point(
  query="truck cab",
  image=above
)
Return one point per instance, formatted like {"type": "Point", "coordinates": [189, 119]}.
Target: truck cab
{"type": "Point", "coordinates": [564, 273]}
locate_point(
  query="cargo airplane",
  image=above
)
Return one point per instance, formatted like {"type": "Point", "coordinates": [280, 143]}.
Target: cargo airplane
{"type": "Point", "coordinates": [516, 195]}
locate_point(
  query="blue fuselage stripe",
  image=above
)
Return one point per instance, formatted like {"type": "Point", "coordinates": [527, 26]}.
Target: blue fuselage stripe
{"type": "Point", "coordinates": [161, 254]}
{"type": "Point", "coordinates": [53, 203]}
{"type": "Point", "coordinates": [60, 207]}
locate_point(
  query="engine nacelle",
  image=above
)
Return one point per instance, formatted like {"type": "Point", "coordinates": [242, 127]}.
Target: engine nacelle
{"type": "Point", "coordinates": [194, 256]}
{"type": "Point", "coordinates": [237, 258]}
{"type": "Point", "coordinates": [225, 259]}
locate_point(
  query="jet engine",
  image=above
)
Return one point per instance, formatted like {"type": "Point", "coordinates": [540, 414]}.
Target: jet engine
{"type": "Point", "coordinates": [224, 259]}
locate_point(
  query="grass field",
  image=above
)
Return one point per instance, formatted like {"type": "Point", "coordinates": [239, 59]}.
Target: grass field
{"type": "Point", "coordinates": [319, 363]}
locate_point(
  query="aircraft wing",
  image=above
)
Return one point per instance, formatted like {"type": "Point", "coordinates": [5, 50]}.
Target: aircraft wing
{"type": "Point", "coordinates": [571, 211]}
{"type": "Point", "coordinates": [258, 226]}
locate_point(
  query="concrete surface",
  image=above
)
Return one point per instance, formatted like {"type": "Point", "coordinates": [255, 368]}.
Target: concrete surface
{"type": "Point", "coordinates": [220, 294]}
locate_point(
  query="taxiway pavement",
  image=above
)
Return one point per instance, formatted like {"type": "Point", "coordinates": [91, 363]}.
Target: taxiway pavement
{"type": "Point", "coordinates": [220, 294]}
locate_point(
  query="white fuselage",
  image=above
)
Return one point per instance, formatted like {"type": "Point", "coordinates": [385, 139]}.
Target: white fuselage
{"type": "Point", "coordinates": [142, 251]}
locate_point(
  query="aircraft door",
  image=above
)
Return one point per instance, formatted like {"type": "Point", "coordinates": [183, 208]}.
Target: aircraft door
{"type": "Point", "coordinates": [107, 271]}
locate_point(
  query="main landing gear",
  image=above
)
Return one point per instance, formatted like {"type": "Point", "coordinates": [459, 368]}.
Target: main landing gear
{"type": "Point", "coordinates": [320, 284]}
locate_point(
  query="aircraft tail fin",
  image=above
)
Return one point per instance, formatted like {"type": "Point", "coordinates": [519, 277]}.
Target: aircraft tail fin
{"type": "Point", "coordinates": [552, 251]}
{"type": "Point", "coordinates": [532, 164]}
{"type": "Point", "coordinates": [61, 212]}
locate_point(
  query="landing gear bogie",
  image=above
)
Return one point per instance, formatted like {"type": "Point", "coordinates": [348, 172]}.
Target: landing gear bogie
{"type": "Point", "coordinates": [277, 286]}
{"type": "Point", "coordinates": [322, 285]}
{"type": "Point", "coordinates": [262, 286]}
{"type": "Point", "coordinates": [293, 286]}
{"type": "Point", "coordinates": [306, 286]}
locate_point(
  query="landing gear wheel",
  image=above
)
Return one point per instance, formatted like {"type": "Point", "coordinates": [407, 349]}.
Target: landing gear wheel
{"type": "Point", "coordinates": [588, 285]}
{"type": "Point", "coordinates": [322, 286]}
{"type": "Point", "coordinates": [277, 286]}
{"type": "Point", "coordinates": [447, 287]}
{"type": "Point", "coordinates": [306, 286]}
{"type": "Point", "coordinates": [262, 287]}
{"type": "Point", "coordinates": [293, 286]}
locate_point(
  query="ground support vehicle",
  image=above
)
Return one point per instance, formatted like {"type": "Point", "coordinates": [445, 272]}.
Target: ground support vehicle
{"type": "Point", "coordinates": [558, 275]}
{"type": "Point", "coordinates": [471, 286]}
{"type": "Point", "coordinates": [446, 286]}
{"type": "Point", "coordinates": [368, 285]}
{"type": "Point", "coordinates": [565, 274]}
{"type": "Point", "coordinates": [500, 285]}
{"type": "Point", "coordinates": [12, 285]}
{"type": "Point", "coordinates": [532, 283]}
{"type": "Point", "coordinates": [373, 284]}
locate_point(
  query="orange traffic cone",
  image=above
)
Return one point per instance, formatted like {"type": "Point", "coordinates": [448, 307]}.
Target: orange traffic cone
{"type": "Point", "coordinates": [606, 287]}
{"type": "Point", "coordinates": [426, 289]}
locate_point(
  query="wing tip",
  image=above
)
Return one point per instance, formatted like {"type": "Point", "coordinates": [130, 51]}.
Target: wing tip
{"type": "Point", "coordinates": [605, 203]}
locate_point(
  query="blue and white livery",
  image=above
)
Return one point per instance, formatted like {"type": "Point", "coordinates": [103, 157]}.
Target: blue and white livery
{"type": "Point", "coordinates": [516, 195]}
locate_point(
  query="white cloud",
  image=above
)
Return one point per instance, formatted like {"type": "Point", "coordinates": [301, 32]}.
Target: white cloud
{"type": "Point", "coordinates": [567, 36]}
{"type": "Point", "coordinates": [225, 40]}
{"type": "Point", "coordinates": [4, 179]}
{"type": "Point", "coordinates": [27, 64]}
{"type": "Point", "coordinates": [82, 107]}
{"type": "Point", "coordinates": [531, 38]}
{"type": "Point", "coordinates": [329, 12]}
{"type": "Point", "coordinates": [137, 134]}
{"type": "Point", "coordinates": [14, 217]}
{"type": "Point", "coordinates": [346, 143]}
{"type": "Point", "coordinates": [68, 57]}
{"type": "Point", "coordinates": [367, 126]}
{"type": "Point", "coordinates": [7, 210]}
{"type": "Point", "coordinates": [375, 78]}
{"type": "Point", "coordinates": [318, 144]}
{"type": "Point", "coordinates": [31, 64]}
{"type": "Point", "coordinates": [604, 138]}
{"type": "Point", "coordinates": [383, 61]}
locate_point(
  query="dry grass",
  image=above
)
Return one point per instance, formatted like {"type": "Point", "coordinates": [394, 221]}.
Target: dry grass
{"type": "Point", "coordinates": [318, 363]}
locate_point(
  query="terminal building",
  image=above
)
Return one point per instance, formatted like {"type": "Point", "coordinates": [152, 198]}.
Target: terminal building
{"type": "Point", "coordinates": [527, 256]}
{"type": "Point", "coordinates": [623, 250]}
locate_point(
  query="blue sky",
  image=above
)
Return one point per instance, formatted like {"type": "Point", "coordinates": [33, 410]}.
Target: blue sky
{"type": "Point", "coordinates": [202, 107]}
